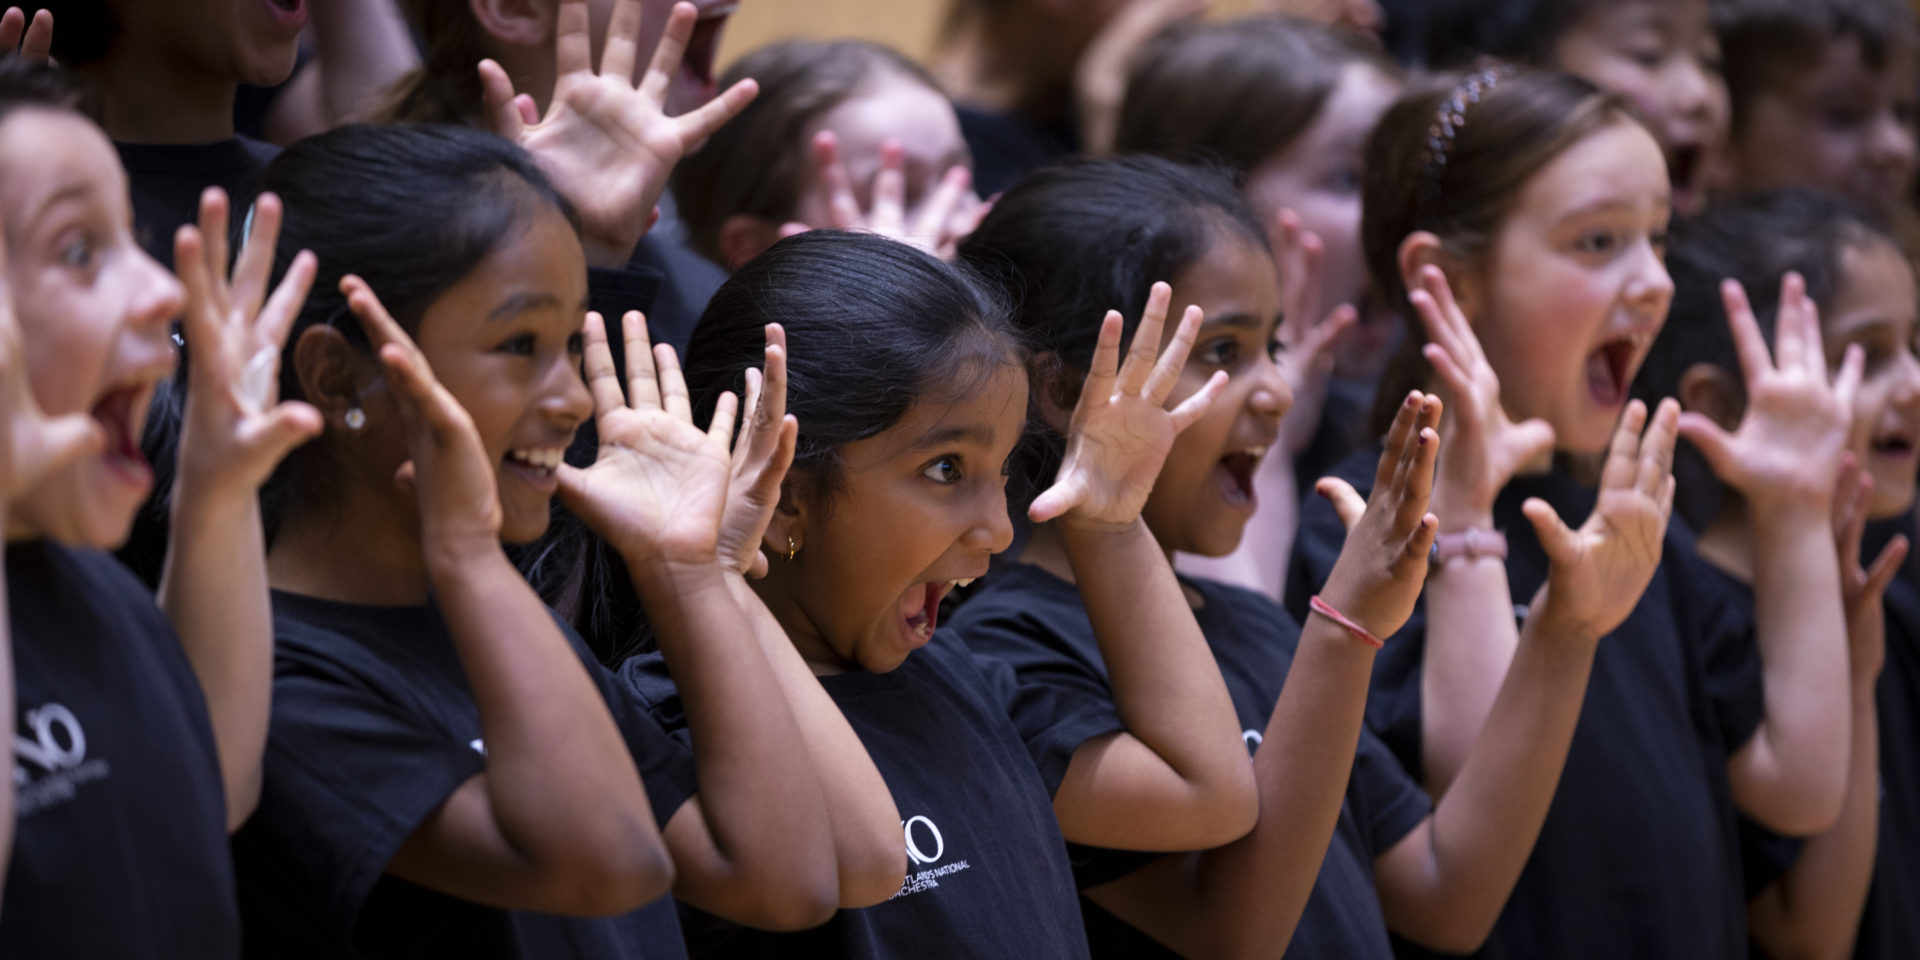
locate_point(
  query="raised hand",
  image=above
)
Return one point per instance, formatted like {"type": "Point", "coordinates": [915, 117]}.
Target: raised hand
{"type": "Point", "coordinates": [1781, 457]}
{"type": "Point", "coordinates": [658, 489]}
{"type": "Point", "coordinates": [1484, 448]}
{"type": "Point", "coordinates": [609, 145]}
{"type": "Point", "coordinates": [1862, 589]}
{"type": "Point", "coordinates": [32, 41]}
{"type": "Point", "coordinates": [1121, 429]}
{"type": "Point", "coordinates": [447, 466]}
{"type": "Point", "coordinates": [1308, 337]}
{"type": "Point", "coordinates": [761, 457]}
{"type": "Point", "coordinates": [1599, 571]}
{"type": "Point", "coordinates": [949, 215]}
{"type": "Point", "coordinates": [234, 431]}
{"type": "Point", "coordinates": [32, 444]}
{"type": "Point", "coordinates": [1383, 563]}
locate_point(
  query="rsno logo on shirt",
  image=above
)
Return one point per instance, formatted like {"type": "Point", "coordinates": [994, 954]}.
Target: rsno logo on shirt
{"type": "Point", "coordinates": [926, 846]}
{"type": "Point", "coordinates": [50, 758]}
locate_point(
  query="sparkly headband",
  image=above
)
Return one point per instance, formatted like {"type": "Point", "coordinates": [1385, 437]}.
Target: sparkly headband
{"type": "Point", "coordinates": [1452, 116]}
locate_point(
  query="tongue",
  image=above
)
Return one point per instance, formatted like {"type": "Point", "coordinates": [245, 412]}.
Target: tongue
{"type": "Point", "coordinates": [913, 603]}
{"type": "Point", "coordinates": [1601, 383]}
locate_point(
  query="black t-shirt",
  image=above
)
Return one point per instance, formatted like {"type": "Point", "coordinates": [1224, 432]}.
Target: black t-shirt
{"type": "Point", "coordinates": [1638, 856]}
{"type": "Point", "coordinates": [374, 726]}
{"type": "Point", "coordinates": [167, 179]}
{"type": "Point", "coordinates": [687, 281]}
{"type": "Point", "coordinates": [120, 847]}
{"type": "Point", "coordinates": [972, 757]}
{"type": "Point", "coordinates": [1007, 146]}
{"type": "Point", "coordinates": [1891, 926]}
{"type": "Point", "coordinates": [1035, 622]}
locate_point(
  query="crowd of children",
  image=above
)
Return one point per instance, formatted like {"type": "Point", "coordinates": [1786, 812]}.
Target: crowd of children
{"type": "Point", "coordinates": [1439, 479]}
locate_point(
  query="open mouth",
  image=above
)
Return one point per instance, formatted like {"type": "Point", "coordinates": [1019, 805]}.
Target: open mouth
{"type": "Point", "coordinates": [1683, 168]}
{"type": "Point", "coordinates": [537, 466]}
{"type": "Point", "coordinates": [116, 414]}
{"type": "Point", "coordinates": [1898, 445]}
{"type": "Point", "coordinates": [290, 12]}
{"type": "Point", "coordinates": [704, 47]}
{"type": "Point", "coordinates": [920, 607]}
{"type": "Point", "coordinates": [1235, 476]}
{"type": "Point", "coordinates": [1610, 371]}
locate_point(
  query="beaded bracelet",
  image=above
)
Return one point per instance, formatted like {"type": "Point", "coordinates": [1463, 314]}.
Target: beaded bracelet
{"type": "Point", "coordinates": [1359, 632]}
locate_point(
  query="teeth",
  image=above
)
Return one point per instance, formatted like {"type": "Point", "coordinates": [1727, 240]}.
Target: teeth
{"type": "Point", "coordinates": [546, 458]}
{"type": "Point", "coordinates": [965, 583]}
{"type": "Point", "coordinates": [1256, 452]}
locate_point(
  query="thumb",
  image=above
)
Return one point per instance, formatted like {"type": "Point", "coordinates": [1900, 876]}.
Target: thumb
{"type": "Point", "coordinates": [285, 427]}
{"type": "Point", "coordinates": [758, 568]}
{"type": "Point", "coordinates": [1064, 495]}
{"type": "Point", "coordinates": [1346, 501]}
{"type": "Point", "coordinates": [573, 488]}
{"type": "Point", "coordinates": [1553, 532]}
{"type": "Point", "coordinates": [1713, 442]}
{"type": "Point", "coordinates": [1533, 438]}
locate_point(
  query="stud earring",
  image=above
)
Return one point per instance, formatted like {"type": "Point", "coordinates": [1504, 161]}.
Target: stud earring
{"type": "Point", "coordinates": [356, 418]}
{"type": "Point", "coordinates": [792, 549]}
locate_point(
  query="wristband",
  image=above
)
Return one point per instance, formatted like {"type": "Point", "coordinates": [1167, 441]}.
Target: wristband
{"type": "Point", "coordinates": [1472, 543]}
{"type": "Point", "coordinates": [1359, 632]}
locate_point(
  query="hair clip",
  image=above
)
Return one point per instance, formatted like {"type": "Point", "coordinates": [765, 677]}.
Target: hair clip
{"type": "Point", "coordinates": [1449, 120]}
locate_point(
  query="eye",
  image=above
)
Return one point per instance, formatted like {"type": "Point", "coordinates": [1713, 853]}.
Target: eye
{"type": "Point", "coordinates": [576, 345]}
{"type": "Point", "coordinates": [1219, 353]}
{"type": "Point", "coordinates": [1596, 242]}
{"type": "Point", "coordinates": [520, 345]}
{"type": "Point", "coordinates": [77, 253]}
{"type": "Point", "coordinates": [1647, 56]}
{"type": "Point", "coordinates": [944, 471]}
{"type": "Point", "coordinates": [1345, 180]}
{"type": "Point", "coordinates": [1842, 118]}
{"type": "Point", "coordinates": [1658, 239]}
{"type": "Point", "coordinates": [1276, 349]}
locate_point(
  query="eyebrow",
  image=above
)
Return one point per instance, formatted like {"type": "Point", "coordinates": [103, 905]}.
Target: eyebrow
{"type": "Point", "coordinates": [72, 191]}
{"type": "Point", "coordinates": [519, 303]}
{"type": "Point", "coordinates": [1606, 205]}
{"type": "Point", "coordinates": [1237, 321]}
{"type": "Point", "coordinates": [944, 435]}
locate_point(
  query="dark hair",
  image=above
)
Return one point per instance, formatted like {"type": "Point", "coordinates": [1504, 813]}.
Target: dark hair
{"type": "Point", "coordinates": [1755, 240]}
{"type": "Point", "coordinates": [1764, 41]}
{"type": "Point", "coordinates": [1520, 123]}
{"type": "Point", "coordinates": [757, 163]}
{"type": "Point", "coordinates": [873, 326]}
{"type": "Point", "coordinates": [446, 87]}
{"type": "Point", "coordinates": [32, 85]}
{"type": "Point", "coordinates": [1072, 241]}
{"type": "Point", "coordinates": [411, 210]}
{"type": "Point", "coordinates": [84, 30]}
{"type": "Point", "coordinates": [1457, 32]}
{"type": "Point", "coordinates": [1239, 91]}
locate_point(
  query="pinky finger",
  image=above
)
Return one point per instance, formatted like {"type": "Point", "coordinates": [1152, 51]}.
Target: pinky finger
{"type": "Point", "coordinates": [1887, 564]}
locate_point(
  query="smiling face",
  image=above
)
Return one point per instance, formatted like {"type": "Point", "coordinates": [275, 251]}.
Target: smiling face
{"type": "Point", "coordinates": [93, 311]}
{"type": "Point", "coordinates": [1204, 495]}
{"type": "Point", "coordinates": [1318, 176]}
{"type": "Point", "coordinates": [1874, 306]}
{"type": "Point", "coordinates": [505, 341]}
{"type": "Point", "coordinates": [889, 105]}
{"type": "Point", "coordinates": [917, 506]}
{"type": "Point", "coordinates": [1575, 288]}
{"type": "Point", "coordinates": [1834, 125]}
{"type": "Point", "coordinates": [1665, 57]}
{"type": "Point", "coordinates": [245, 41]}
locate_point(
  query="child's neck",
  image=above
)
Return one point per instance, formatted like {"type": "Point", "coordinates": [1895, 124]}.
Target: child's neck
{"type": "Point", "coordinates": [1046, 550]}
{"type": "Point", "coordinates": [360, 554]}
{"type": "Point", "coordinates": [147, 97]}
{"type": "Point", "coordinates": [1727, 543]}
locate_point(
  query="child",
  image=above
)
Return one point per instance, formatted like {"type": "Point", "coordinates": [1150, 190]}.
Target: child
{"type": "Point", "coordinates": [1543, 205]}
{"type": "Point", "coordinates": [1851, 273]}
{"type": "Point", "coordinates": [755, 179]}
{"type": "Point", "coordinates": [1287, 106]}
{"type": "Point", "coordinates": [138, 736]}
{"type": "Point", "coordinates": [1663, 56]}
{"type": "Point", "coordinates": [1062, 239]}
{"type": "Point", "coordinates": [911, 395]}
{"type": "Point", "coordinates": [1823, 96]}
{"type": "Point", "coordinates": [449, 771]}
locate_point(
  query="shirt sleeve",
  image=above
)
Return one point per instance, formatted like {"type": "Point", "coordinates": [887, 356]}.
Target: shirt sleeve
{"type": "Point", "coordinates": [1386, 801]}
{"type": "Point", "coordinates": [1718, 616]}
{"type": "Point", "coordinates": [349, 775]}
{"type": "Point", "coordinates": [662, 753]}
{"type": "Point", "coordinates": [1054, 712]}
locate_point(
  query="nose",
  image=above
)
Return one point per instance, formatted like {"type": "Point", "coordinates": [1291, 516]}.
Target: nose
{"type": "Point", "coordinates": [564, 398]}
{"type": "Point", "coordinates": [1906, 384]}
{"type": "Point", "coordinates": [1695, 93]}
{"type": "Point", "coordinates": [991, 528]}
{"type": "Point", "coordinates": [157, 296]}
{"type": "Point", "coordinates": [1270, 396]}
{"type": "Point", "coordinates": [1892, 146]}
{"type": "Point", "coordinates": [1650, 287]}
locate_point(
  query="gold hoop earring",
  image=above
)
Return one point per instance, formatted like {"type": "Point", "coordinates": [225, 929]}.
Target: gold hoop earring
{"type": "Point", "coordinates": [791, 549]}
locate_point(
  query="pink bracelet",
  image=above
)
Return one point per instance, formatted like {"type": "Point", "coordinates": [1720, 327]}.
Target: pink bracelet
{"type": "Point", "coordinates": [1359, 632]}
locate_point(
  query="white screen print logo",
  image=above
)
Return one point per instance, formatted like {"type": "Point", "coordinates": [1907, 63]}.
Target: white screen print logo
{"type": "Point", "coordinates": [926, 845]}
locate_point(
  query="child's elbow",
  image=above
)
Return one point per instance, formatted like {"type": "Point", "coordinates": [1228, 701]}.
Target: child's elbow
{"type": "Point", "coordinates": [790, 906]}
{"type": "Point", "coordinates": [1454, 933]}
{"type": "Point", "coordinates": [874, 873]}
{"type": "Point", "coordinates": [621, 882]}
{"type": "Point", "coordinates": [243, 797]}
{"type": "Point", "coordinates": [1802, 812]}
{"type": "Point", "coordinates": [1235, 809]}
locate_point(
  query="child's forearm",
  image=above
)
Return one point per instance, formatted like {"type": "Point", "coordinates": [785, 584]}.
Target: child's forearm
{"type": "Point", "coordinates": [1814, 909]}
{"type": "Point", "coordinates": [1447, 889]}
{"type": "Point", "coordinates": [1470, 642]}
{"type": "Point", "coordinates": [762, 857]}
{"type": "Point", "coordinates": [1792, 774]}
{"type": "Point", "coordinates": [1196, 788]}
{"type": "Point", "coordinates": [214, 590]}
{"type": "Point", "coordinates": [860, 807]}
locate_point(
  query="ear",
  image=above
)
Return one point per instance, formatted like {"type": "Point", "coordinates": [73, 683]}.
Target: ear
{"type": "Point", "coordinates": [789, 519]}
{"type": "Point", "coordinates": [1711, 391]}
{"type": "Point", "coordinates": [744, 236]}
{"type": "Point", "coordinates": [333, 374]}
{"type": "Point", "coordinates": [1422, 249]}
{"type": "Point", "coordinates": [1059, 390]}
{"type": "Point", "coordinates": [515, 23]}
